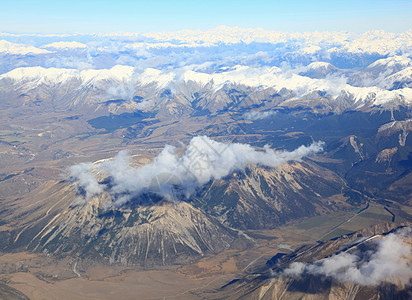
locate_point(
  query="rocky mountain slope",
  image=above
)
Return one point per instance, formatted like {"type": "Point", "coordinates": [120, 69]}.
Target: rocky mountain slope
{"type": "Point", "coordinates": [260, 198]}
{"type": "Point", "coordinates": [150, 231]}
{"type": "Point", "coordinates": [274, 283]}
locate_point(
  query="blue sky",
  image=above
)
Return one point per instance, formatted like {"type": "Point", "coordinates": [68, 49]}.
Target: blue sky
{"type": "Point", "coordinates": [148, 16]}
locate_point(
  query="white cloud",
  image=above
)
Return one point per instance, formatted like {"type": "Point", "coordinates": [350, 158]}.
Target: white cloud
{"type": "Point", "coordinates": [390, 261]}
{"type": "Point", "coordinates": [203, 160]}
{"type": "Point", "coordinates": [70, 62]}
{"type": "Point", "coordinates": [309, 42]}
{"type": "Point", "coordinates": [306, 43]}
{"type": "Point", "coordinates": [258, 115]}
{"type": "Point", "coordinates": [86, 181]}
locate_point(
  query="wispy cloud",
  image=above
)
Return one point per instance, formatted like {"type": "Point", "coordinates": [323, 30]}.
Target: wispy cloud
{"type": "Point", "coordinates": [258, 115]}
{"type": "Point", "coordinates": [86, 180]}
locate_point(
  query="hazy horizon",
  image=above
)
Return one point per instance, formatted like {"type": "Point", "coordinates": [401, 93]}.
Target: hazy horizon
{"type": "Point", "coordinates": [159, 16]}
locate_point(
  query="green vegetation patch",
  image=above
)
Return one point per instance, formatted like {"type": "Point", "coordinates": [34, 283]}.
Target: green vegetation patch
{"type": "Point", "coordinates": [382, 217]}
{"type": "Point", "coordinates": [322, 221]}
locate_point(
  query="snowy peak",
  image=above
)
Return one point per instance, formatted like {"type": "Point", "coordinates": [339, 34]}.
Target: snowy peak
{"type": "Point", "coordinates": [65, 45]}
{"type": "Point", "coordinates": [8, 48]}
{"type": "Point", "coordinates": [153, 76]}
{"type": "Point", "coordinates": [392, 61]}
{"type": "Point", "coordinates": [401, 79]}
{"type": "Point", "coordinates": [320, 65]}
{"type": "Point", "coordinates": [117, 73]}
{"type": "Point", "coordinates": [319, 70]}
{"type": "Point", "coordinates": [53, 75]}
{"type": "Point", "coordinates": [377, 96]}
{"type": "Point", "coordinates": [389, 65]}
{"type": "Point", "coordinates": [242, 75]}
{"type": "Point", "coordinates": [59, 75]}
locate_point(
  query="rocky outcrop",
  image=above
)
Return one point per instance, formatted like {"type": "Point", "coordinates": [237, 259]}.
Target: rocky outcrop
{"type": "Point", "coordinates": [260, 198]}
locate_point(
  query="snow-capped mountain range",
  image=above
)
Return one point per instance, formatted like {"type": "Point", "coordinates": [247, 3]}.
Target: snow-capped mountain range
{"type": "Point", "coordinates": [119, 78]}
{"type": "Point", "coordinates": [340, 70]}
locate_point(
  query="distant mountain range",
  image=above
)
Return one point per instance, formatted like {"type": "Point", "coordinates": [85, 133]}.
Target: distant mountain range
{"type": "Point", "coordinates": [193, 71]}
{"type": "Point", "coordinates": [187, 92]}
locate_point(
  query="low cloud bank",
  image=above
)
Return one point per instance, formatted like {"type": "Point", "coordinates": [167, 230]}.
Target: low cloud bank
{"type": "Point", "coordinates": [203, 160]}
{"type": "Point", "coordinates": [258, 115]}
{"type": "Point", "coordinates": [389, 259]}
